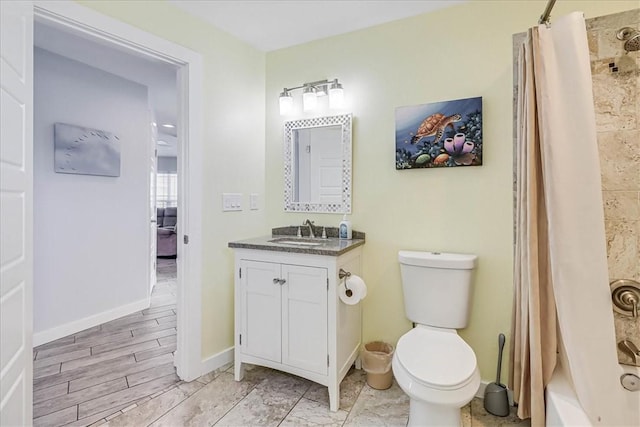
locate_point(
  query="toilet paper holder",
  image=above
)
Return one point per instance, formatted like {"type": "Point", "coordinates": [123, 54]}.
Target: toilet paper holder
{"type": "Point", "coordinates": [344, 275]}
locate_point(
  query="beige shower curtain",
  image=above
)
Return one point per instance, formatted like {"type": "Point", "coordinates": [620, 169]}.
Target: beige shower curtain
{"type": "Point", "coordinates": [534, 342]}
{"type": "Point", "coordinates": [561, 279]}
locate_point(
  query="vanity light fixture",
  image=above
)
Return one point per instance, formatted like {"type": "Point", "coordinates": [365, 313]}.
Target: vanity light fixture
{"type": "Point", "coordinates": [310, 93]}
{"type": "Point", "coordinates": [321, 90]}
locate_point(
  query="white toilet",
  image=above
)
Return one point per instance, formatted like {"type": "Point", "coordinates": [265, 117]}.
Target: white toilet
{"type": "Point", "coordinates": [432, 364]}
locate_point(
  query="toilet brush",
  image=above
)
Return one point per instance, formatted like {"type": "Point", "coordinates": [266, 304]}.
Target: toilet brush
{"type": "Point", "coordinates": [496, 400]}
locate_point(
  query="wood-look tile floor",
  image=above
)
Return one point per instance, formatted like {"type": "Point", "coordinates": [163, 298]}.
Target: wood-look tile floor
{"type": "Point", "coordinates": [90, 375]}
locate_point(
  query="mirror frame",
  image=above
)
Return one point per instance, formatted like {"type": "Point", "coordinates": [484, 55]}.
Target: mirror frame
{"type": "Point", "coordinates": [344, 120]}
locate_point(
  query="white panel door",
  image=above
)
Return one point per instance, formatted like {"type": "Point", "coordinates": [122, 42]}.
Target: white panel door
{"type": "Point", "coordinates": [16, 212]}
{"type": "Point", "coordinates": [261, 303]}
{"type": "Point", "coordinates": [304, 318]}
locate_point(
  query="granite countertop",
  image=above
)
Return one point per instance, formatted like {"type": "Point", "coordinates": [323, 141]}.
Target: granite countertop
{"type": "Point", "coordinates": [331, 246]}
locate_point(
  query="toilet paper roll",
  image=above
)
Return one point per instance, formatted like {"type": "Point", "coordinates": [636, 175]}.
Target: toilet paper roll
{"type": "Point", "coordinates": [353, 290]}
{"type": "Point", "coordinates": [356, 282]}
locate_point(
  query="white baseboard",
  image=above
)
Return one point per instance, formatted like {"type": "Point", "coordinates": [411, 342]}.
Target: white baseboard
{"type": "Point", "coordinates": [483, 385]}
{"type": "Point", "coordinates": [216, 361]}
{"type": "Point", "coordinates": [72, 327]}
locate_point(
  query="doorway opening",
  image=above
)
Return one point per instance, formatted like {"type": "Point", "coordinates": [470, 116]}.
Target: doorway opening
{"type": "Point", "coordinates": [79, 21]}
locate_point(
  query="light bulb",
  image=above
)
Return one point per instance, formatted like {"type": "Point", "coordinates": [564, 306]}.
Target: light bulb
{"type": "Point", "coordinates": [309, 99]}
{"type": "Point", "coordinates": [286, 102]}
{"type": "Point", "coordinates": [336, 95]}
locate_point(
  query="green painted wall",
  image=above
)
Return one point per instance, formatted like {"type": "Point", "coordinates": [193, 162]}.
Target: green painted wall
{"type": "Point", "coordinates": [459, 52]}
{"type": "Point", "coordinates": [454, 53]}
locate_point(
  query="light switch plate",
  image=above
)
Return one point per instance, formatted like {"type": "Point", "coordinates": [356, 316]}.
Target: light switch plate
{"type": "Point", "coordinates": [231, 202]}
{"type": "Point", "coordinates": [253, 201]}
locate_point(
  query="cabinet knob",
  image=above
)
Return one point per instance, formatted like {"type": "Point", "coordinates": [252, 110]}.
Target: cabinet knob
{"type": "Point", "coordinates": [276, 281]}
{"type": "Point", "coordinates": [282, 281]}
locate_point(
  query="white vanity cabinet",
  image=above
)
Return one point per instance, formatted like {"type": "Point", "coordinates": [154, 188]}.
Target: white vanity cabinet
{"type": "Point", "coordinates": [284, 314]}
{"type": "Point", "coordinates": [288, 315]}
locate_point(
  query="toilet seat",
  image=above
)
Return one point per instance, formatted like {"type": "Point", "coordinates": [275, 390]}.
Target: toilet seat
{"type": "Point", "coordinates": [438, 359]}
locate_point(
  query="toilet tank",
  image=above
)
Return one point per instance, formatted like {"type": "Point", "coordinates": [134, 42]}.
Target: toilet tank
{"type": "Point", "coordinates": [437, 287]}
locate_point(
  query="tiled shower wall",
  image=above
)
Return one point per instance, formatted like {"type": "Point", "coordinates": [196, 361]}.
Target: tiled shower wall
{"type": "Point", "coordinates": [616, 91]}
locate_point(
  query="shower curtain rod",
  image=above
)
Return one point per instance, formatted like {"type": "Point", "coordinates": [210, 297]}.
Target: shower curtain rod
{"type": "Point", "coordinates": [544, 18]}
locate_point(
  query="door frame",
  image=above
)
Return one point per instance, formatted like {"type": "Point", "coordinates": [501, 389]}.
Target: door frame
{"type": "Point", "coordinates": [73, 17]}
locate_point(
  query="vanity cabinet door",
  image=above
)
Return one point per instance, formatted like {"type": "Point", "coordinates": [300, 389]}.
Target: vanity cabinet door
{"type": "Point", "coordinates": [261, 299]}
{"type": "Point", "coordinates": [304, 318]}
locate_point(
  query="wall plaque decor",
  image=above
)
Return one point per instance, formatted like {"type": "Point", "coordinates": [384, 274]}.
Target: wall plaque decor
{"type": "Point", "coordinates": [439, 134]}
{"type": "Point", "coordinates": [85, 151]}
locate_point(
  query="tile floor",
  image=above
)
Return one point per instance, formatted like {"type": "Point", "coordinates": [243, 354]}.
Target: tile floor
{"type": "Point", "coordinates": [85, 377]}
{"type": "Point", "coordinates": [271, 398]}
{"type": "Point", "coordinates": [121, 374]}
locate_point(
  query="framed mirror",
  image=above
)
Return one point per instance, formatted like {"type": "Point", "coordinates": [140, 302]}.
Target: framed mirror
{"type": "Point", "coordinates": [317, 164]}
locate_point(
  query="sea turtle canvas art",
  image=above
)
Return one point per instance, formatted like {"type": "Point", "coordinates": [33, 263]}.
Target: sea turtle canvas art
{"type": "Point", "coordinates": [439, 134]}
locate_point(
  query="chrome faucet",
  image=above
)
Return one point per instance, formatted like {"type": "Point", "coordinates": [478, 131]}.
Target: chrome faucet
{"type": "Point", "coordinates": [630, 349]}
{"type": "Point", "coordinates": [310, 224]}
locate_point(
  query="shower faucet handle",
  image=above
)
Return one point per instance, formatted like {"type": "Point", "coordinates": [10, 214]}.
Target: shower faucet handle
{"type": "Point", "coordinates": [625, 295]}
{"type": "Point", "coordinates": [630, 349]}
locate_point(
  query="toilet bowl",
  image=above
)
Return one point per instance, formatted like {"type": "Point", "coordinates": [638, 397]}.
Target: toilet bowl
{"type": "Point", "coordinates": [439, 373]}
{"type": "Point", "coordinates": [432, 364]}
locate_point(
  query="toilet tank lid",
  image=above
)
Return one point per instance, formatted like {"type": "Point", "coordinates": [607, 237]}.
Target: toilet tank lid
{"type": "Point", "coordinates": [438, 259]}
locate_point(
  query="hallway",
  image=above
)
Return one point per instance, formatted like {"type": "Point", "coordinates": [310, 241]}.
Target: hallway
{"type": "Point", "coordinates": [92, 374]}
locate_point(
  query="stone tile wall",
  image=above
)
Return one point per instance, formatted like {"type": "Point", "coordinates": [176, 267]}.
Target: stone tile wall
{"type": "Point", "coordinates": [616, 91]}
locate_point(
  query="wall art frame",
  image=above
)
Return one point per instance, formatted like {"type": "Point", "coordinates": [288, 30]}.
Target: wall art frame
{"type": "Point", "coordinates": [439, 134]}
{"type": "Point", "coordinates": [85, 151]}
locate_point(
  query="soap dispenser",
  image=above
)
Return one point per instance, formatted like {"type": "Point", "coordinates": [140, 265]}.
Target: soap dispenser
{"type": "Point", "coordinates": [344, 229]}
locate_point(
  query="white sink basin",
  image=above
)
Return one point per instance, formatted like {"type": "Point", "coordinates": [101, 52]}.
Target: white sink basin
{"type": "Point", "coordinates": [296, 241]}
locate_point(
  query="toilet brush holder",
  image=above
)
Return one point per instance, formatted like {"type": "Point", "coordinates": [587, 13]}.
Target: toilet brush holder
{"type": "Point", "coordinates": [496, 399]}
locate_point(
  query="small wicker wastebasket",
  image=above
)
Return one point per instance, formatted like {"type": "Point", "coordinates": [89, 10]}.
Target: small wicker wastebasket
{"type": "Point", "coordinates": [376, 362]}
